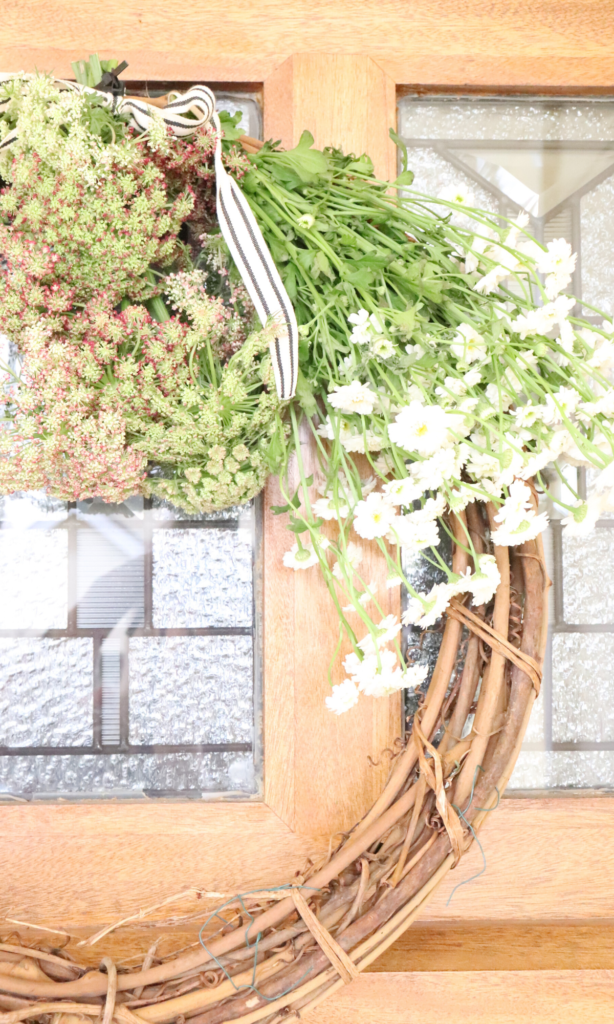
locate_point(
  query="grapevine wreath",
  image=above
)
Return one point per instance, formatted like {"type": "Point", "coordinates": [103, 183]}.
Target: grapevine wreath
{"type": "Point", "coordinates": [183, 305]}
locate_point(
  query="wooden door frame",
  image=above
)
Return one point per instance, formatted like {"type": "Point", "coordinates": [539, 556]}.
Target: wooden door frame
{"type": "Point", "coordinates": [334, 67]}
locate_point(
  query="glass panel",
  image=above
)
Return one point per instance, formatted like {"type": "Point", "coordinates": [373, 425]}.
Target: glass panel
{"type": "Point", "coordinates": [554, 158]}
{"type": "Point", "coordinates": [202, 577]}
{"type": "Point", "coordinates": [33, 570]}
{"type": "Point", "coordinates": [45, 693]}
{"type": "Point", "coordinates": [195, 689]}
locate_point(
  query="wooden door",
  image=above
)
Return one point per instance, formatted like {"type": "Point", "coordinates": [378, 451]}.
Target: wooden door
{"type": "Point", "coordinates": [530, 939]}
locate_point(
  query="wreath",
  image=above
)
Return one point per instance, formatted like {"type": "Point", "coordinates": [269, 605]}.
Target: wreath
{"type": "Point", "coordinates": [184, 304]}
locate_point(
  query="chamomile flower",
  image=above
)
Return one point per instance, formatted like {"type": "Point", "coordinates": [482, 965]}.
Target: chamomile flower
{"type": "Point", "coordinates": [354, 397]}
{"type": "Point", "coordinates": [374, 516]}
{"type": "Point", "coordinates": [343, 697]}
{"type": "Point", "coordinates": [468, 346]}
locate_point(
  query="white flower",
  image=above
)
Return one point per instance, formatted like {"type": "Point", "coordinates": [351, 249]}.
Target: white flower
{"type": "Point", "coordinates": [460, 497]}
{"type": "Point", "coordinates": [468, 345]}
{"type": "Point", "coordinates": [415, 675]}
{"type": "Point", "coordinates": [378, 676]}
{"type": "Point", "coordinates": [343, 697]}
{"type": "Point", "coordinates": [485, 580]}
{"type": "Point", "coordinates": [527, 415]}
{"type": "Point", "coordinates": [377, 324]}
{"type": "Point", "coordinates": [354, 397]}
{"type": "Point", "coordinates": [362, 442]}
{"type": "Point", "coordinates": [544, 318]}
{"type": "Point", "coordinates": [300, 558]}
{"type": "Point", "coordinates": [422, 428]}
{"type": "Point", "coordinates": [603, 356]}
{"type": "Point", "coordinates": [527, 529]}
{"type": "Point", "coordinates": [516, 507]}
{"type": "Point", "coordinates": [343, 426]}
{"type": "Point", "coordinates": [414, 535]}
{"type": "Point", "coordinates": [452, 386]}
{"type": "Point", "coordinates": [562, 404]}
{"type": "Point", "coordinates": [373, 516]}
{"type": "Point", "coordinates": [361, 332]}
{"type": "Point", "coordinates": [367, 595]}
{"type": "Point", "coordinates": [324, 508]}
{"type": "Point", "coordinates": [425, 609]}
{"type": "Point", "coordinates": [352, 557]}
{"type": "Point", "coordinates": [559, 264]}
{"type": "Point", "coordinates": [444, 465]}
{"type": "Point", "coordinates": [458, 193]}
{"type": "Point", "coordinates": [384, 633]}
{"type": "Point", "coordinates": [382, 347]}
{"type": "Point", "coordinates": [498, 398]}
{"type": "Point", "coordinates": [360, 318]}
{"type": "Point", "coordinates": [472, 255]}
{"type": "Point", "coordinates": [582, 520]}
{"type": "Point", "coordinates": [306, 221]}
{"type": "Point", "coordinates": [403, 492]}
{"type": "Point", "coordinates": [472, 377]}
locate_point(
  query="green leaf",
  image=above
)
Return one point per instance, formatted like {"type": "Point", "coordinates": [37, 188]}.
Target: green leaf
{"type": "Point", "coordinates": [321, 265]}
{"type": "Point", "coordinates": [305, 395]}
{"type": "Point", "coordinates": [398, 141]}
{"type": "Point", "coordinates": [406, 178]}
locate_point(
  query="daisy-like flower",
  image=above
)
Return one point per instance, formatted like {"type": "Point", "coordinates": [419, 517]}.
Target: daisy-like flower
{"type": "Point", "coordinates": [403, 492]}
{"type": "Point", "coordinates": [559, 263]}
{"type": "Point", "coordinates": [414, 535]}
{"type": "Point", "coordinates": [414, 676]}
{"type": "Point", "coordinates": [324, 508]}
{"type": "Point", "coordinates": [528, 529]}
{"type": "Point", "coordinates": [344, 429]}
{"type": "Point", "coordinates": [445, 464]}
{"type": "Point", "coordinates": [468, 345]}
{"type": "Point", "coordinates": [361, 442]}
{"type": "Point", "coordinates": [367, 595]}
{"type": "Point", "coordinates": [561, 405]}
{"type": "Point", "coordinates": [374, 516]}
{"type": "Point", "coordinates": [422, 428]}
{"type": "Point", "coordinates": [378, 676]}
{"type": "Point", "coordinates": [582, 520]}
{"type": "Point", "coordinates": [452, 386]}
{"type": "Point", "coordinates": [352, 556]}
{"type": "Point", "coordinates": [386, 631]}
{"type": "Point", "coordinates": [544, 318]}
{"type": "Point", "coordinates": [426, 609]}
{"type": "Point", "coordinates": [458, 193]}
{"type": "Point", "coordinates": [528, 415]}
{"type": "Point", "coordinates": [361, 329]}
{"type": "Point", "coordinates": [306, 221]}
{"type": "Point", "coordinates": [343, 697]}
{"type": "Point", "coordinates": [381, 347]}
{"type": "Point", "coordinates": [485, 580]}
{"type": "Point", "coordinates": [300, 557]}
{"type": "Point", "coordinates": [472, 255]}
{"type": "Point", "coordinates": [472, 378]}
{"type": "Point", "coordinates": [516, 506]}
{"type": "Point", "coordinates": [354, 397]}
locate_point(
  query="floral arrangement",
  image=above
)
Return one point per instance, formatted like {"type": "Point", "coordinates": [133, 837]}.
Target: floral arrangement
{"type": "Point", "coordinates": [441, 361]}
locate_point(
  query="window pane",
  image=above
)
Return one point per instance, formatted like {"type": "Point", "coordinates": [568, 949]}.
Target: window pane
{"type": "Point", "coordinates": [554, 158]}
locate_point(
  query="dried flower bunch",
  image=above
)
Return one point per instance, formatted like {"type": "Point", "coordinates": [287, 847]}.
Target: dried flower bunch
{"type": "Point", "coordinates": [137, 366]}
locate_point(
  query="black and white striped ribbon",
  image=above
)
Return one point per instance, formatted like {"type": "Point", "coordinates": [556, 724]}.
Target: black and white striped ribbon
{"type": "Point", "coordinates": [237, 222]}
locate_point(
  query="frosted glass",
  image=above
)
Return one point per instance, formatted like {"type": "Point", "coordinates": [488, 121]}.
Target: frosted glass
{"type": "Point", "coordinates": [163, 510]}
{"type": "Point", "coordinates": [588, 574]}
{"type": "Point", "coordinates": [597, 221]}
{"type": "Point", "coordinates": [505, 119]}
{"type": "Point", "coordinates": [583, 687]}
{"type": "Point", "coordinates": [128, 775]}
{"type": "Point", "coordinates": [45, 692]}
{"type": "Point", "coordinates": [433, 173]}
{"type": "Point", "coordinates": [564, 769]}
{"type": "Point", "coordinates": [34, 575]}
{"type": "Point", "coordinates": [196, 689]}
{"type": "Point", "coordinates": [22, 508]}
{"type": "Point", "coordinates": [202, 578]}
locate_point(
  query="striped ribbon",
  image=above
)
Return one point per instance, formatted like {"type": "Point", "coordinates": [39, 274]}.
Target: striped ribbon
{"type": "Point", "coordinates": [237, 222]}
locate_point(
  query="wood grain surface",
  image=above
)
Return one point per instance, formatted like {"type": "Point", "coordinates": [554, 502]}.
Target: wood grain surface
{"type": "Point", "coordinates": [501, 946]}
{"type": "Point", "coordinates": [456, 42]}
{"type": "Point", "coordinates": [502, 997]}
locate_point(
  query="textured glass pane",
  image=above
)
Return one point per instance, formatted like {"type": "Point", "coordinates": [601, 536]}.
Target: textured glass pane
{"type": "Point", "coordinates": [26, 507]}
{"type": "Point", "coordinates": [433, 173]}
{"type": "Point", "coordinates": [505, 119]}
{"type": "Point", "coordinates": [583, 687]}
{"type": "Point", "coordinates": [564, 769]}
{"type": "Point", "coordinates": [588, 574]}
{"type": "Point", "coordinates": [163, 510]}
{"type": "Point", "coordinates": [196, 689]}
{"type": "Point", "coordinates": [597, 220]}
{"type": "Point", "coordinates": [202, 577]}
{"type": "Point", "coordinates": [128, 775]}
{"type": "Point", "coordinates": [34, 575]}
{"type": "Point", "coordinates": [45, 692]}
